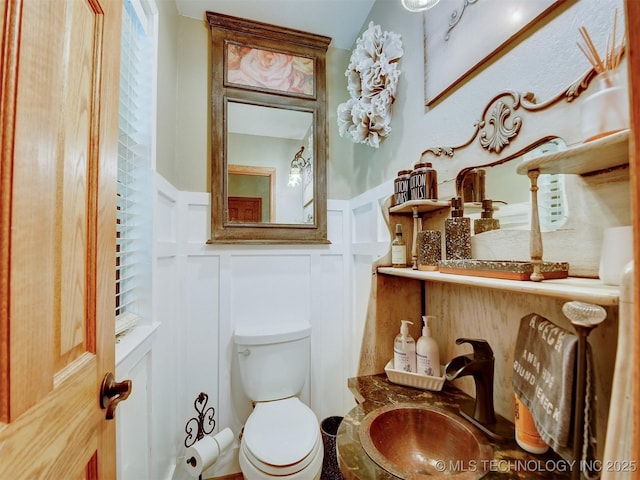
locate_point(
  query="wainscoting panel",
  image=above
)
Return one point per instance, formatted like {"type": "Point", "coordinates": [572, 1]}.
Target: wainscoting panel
{"type": "Point", "coordinates": [165, 212]}
{"type": "Point", "coordinates": [132, 419]}
{"type": "Point", "coordinates": [167, 368]}
{"type": "Point", "coordinates": [372, 241]}
{"type": "Point", "coordinates": [213, 288]}
{"type": "Point", "coordinates": [167, 359]}
{"type": "Point", "coordinates": [200, 290]}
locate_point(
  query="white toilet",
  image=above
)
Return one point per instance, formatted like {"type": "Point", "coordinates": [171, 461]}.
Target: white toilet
{"type": "Point", "coordinates": [281, 438]}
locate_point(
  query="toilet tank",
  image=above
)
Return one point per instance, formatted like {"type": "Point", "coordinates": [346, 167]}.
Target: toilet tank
{"type": "Point", "coordinates": [273, 359]}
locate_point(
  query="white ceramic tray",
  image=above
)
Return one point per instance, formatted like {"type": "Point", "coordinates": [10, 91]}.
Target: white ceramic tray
{"type": "Point", "coordinates": [413, 379]}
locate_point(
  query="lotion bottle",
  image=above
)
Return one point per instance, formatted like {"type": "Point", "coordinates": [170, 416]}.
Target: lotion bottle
{"type": "Point", "coordinates": [404, 350]}
{"type": "Point", "coordinates": [427, 352]}
{"type": "Point", "coordinates": [398, 249]}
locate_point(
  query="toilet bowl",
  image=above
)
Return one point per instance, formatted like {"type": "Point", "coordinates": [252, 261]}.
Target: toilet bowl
{"type": "Point", "coordinates": [281, 438]}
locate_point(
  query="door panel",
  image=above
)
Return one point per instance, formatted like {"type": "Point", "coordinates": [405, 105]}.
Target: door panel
{"type": "Point", "coordinates": [57, 209]}
{"type": "Point", "coordinates": [245, 209]}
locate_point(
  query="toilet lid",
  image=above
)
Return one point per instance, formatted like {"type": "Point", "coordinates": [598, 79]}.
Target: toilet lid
{"type": "Point", "coordinates": [282, 432]}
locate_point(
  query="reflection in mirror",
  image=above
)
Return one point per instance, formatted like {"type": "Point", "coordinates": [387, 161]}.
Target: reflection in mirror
{"type": "Point", "coordinates": [511, 195]}
{"type": "Point", "coordinates": [251, 193]}
{"type": "Point", "coordinates": [262, 137]}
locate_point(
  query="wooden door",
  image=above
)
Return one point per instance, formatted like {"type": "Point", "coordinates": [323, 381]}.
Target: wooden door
{"type": "Point", "coordinates": [59, 124]}
{"type": "Point", "coordinates": [632, 8]}
{"type": "Point", "coordinates": [245, 209]}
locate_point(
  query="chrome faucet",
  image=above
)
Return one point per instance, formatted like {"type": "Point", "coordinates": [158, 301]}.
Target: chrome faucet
{"type": "Point", "coordinates": [480, 366]}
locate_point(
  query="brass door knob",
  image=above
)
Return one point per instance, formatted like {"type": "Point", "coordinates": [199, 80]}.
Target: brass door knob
{"type": "Point", "coordinates": [112, 393]}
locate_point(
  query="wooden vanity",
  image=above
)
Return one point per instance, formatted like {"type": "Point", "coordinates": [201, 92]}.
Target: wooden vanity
{"type": "Point", "coordinates": [491, 308]}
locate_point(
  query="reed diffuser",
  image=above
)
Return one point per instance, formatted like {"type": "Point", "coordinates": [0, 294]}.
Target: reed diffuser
{"type": "Point", "coordinates": [607, 110]}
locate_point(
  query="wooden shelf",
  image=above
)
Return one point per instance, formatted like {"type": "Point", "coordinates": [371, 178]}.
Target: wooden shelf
{"type": "Point", "coordinates": [607, 152]}
{"type": "Point", "coordinates": [422, 206]}
{"type": "Point", "coordinates": [572, 288]}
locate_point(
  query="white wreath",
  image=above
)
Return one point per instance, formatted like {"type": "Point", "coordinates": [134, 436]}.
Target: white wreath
{"type": "Point", "coordinates": [372, 78]}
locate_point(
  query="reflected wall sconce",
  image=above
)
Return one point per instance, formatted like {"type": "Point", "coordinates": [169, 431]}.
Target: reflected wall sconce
{"type": "Point", "coordinates": [419, 5]}
{"type": "Point", "coordinates": [297, 165]}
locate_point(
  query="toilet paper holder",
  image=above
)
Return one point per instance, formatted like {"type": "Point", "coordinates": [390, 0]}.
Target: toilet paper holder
{"type": "Point", "coordinates": [202, 449]}
{"type": "Point", "coordinates": [201, 425]}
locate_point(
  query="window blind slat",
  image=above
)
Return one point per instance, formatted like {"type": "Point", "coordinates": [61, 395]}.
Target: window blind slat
{"type": "Point", "coordinates": [133, 227]}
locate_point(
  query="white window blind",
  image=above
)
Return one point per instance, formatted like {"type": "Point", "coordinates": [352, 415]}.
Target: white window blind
{"type": "Point", "coordinates": [551, 202]}
{"type": "Point", "coordinates": [134, 215]}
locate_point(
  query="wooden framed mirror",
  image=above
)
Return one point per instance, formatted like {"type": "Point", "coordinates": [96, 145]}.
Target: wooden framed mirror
{"type": "Point", "coordinates": [268, 150]}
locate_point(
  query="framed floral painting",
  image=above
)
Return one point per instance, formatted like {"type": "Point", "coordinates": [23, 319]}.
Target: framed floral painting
{"type": "Point", "coordinates": [269, 70]}
{"type": "Point", "coordinates": [458, 40]}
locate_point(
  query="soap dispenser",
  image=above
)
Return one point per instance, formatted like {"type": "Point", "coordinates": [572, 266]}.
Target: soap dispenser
{"type": "Point", "coordinates": [427, 352]}
{"type": "Point", "coordinates": [404, 350]}
{"type": "Point", "coordinates": [457, 232]}
{"type": "Point", "coordinates": [486, 222]}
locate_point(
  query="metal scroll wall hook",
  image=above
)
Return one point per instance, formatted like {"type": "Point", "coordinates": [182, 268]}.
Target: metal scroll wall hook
{"type": "Point", "coordinates": [112, 393]}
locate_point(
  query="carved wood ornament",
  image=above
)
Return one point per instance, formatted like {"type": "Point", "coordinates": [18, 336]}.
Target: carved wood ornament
{"type": "Point", "coordinates": [499, 123]}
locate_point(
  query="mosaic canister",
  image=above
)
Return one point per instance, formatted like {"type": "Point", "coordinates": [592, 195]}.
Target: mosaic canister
{"type": "Point", "coordinates": [429, 250]}
{"type": "Point", "coordinates": [457, 232]}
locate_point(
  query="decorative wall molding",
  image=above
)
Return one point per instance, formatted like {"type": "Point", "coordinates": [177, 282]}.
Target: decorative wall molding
{"type": "Point", "coordinates": [455, 17]}
{"type": "Point", "coordinates": [500, 122]}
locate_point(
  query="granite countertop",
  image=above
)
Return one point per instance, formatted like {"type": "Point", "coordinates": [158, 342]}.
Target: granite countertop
{"type": "Point", "coordinates": [373, 391]}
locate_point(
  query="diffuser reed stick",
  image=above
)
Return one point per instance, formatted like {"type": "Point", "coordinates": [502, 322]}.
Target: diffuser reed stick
{"type": "Point", "coordinates": [613, 53]}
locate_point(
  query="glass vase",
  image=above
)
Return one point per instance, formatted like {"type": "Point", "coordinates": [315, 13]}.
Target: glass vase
{"type": "Point", "coordinates": [605, 111]}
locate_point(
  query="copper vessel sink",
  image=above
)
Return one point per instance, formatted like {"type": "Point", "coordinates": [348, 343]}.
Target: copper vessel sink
{"type": "Point", "coordinates": [416, 442]}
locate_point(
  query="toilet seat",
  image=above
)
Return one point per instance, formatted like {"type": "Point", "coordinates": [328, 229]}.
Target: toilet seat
{"type": "Point", "coordinates": [282, 438]}
{"type": "Point", "coordinates": [281, 432]}
{"type": "Point", "coordinates": [287, 471]}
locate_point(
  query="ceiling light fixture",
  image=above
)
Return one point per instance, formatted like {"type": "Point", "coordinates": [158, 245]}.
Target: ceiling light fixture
{"type": "Point", "coordinates": [419, 5]}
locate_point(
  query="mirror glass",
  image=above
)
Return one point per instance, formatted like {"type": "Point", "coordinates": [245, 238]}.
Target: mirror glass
{"type": "Point", "coordinates": [269, 164]}
{"type": "Point", "coordinates": [268, 133]}
{"type": "Point", "coordinates": [511, 193]}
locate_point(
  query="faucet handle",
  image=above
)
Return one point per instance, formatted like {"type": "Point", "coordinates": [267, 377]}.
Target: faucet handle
{"type": "Point", "coordinates": [481, 348]}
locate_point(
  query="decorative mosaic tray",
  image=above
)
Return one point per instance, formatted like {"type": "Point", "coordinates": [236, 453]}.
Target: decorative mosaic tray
{"type": "Point", "coordinates": [503, 269]}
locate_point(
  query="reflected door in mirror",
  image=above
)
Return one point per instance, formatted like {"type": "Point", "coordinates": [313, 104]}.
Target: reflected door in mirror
{"type": "Point", "coordinates": [245, 209]}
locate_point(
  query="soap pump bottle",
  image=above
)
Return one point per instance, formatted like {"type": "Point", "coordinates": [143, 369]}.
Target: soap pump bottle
{"type": "Point", "coordinates": [457, 232]}
{"type": "Point", "coordinates": [427, 352]}
{"type": "Point", "coordinates": [404, 350]}
{"type": "Point", "coordinates": [486, 222]}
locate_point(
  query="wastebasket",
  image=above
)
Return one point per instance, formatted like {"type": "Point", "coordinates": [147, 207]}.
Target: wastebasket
{"type": "Point", "coordinates": [329, 430]}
